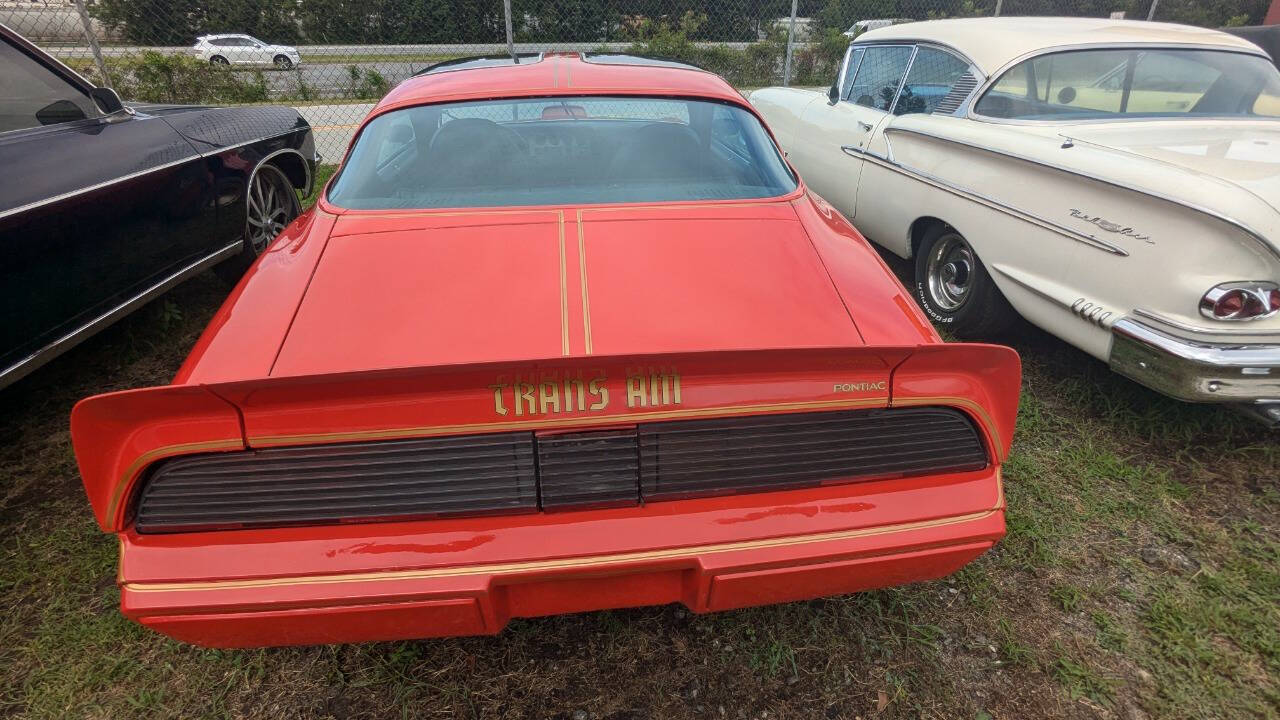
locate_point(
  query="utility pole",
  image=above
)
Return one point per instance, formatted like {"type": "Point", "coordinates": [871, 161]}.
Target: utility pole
{"type": "Point", "coordinates": [511, 44]}
{"type": "Point", "coordinates": [791, 32]}
{"type": "Point", "coordinates": [93, 43]}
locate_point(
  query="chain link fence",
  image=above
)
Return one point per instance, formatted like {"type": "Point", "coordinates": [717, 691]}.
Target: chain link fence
{"type": "Point", "coordinates": [333, 58]}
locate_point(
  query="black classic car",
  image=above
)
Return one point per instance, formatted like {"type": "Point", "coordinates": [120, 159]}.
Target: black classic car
{"type": "Point", "coordinates": [104, 205]}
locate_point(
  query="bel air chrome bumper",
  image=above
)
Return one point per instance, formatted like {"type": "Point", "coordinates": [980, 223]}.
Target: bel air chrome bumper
{"type": "Point", "coordinates": [1245, 375]}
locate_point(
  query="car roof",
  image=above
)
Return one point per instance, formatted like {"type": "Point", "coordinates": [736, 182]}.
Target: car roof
{"type": "Point", "coordinates": [992, 43]}
{"type": "Point", "coordinates": [559, 74]}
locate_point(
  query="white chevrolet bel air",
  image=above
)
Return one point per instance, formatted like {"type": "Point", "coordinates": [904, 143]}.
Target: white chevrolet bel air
{"type": "Point", "coordinates": [1116, 183]}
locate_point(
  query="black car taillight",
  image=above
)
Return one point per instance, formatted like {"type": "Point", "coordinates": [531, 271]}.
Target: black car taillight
{"type": "Point", "coordinates": [769, 452]}
{"type": "Point", "coordinates": [467, 475]}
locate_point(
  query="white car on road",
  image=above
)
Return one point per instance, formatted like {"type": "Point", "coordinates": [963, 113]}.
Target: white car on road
{"type": "Point", "coordinates": [1116, 183]}
{"type": "Point", "coordinates": [245, 50]}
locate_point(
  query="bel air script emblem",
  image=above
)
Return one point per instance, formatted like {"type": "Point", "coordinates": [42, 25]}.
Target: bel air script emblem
{"type": "Point", "coordinates": [1109, 226]}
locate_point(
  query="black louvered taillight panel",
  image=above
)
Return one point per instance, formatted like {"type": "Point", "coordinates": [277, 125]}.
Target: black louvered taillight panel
{"type": "Point", "coordinates": [708, 457]}
{"type": "Point", "coordinates": [588, 469]}
{"type": "Point", "coordinates": [473, 474]}
{"type": "Point", "coordinates": [509, 473]}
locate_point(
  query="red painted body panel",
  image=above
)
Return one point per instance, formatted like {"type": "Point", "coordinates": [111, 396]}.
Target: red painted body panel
{"type": "Point", "coordinates": [360, 325]}
{"type": "Point", "coordinates": [714, 554]}
{"type": "Point", "coordinates": [424, 308]}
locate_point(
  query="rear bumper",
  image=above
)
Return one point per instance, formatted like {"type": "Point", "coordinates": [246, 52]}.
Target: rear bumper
{"type": "Point", "coordinates": [1247, 374]}
{"type": "Point", "coordinates": [400, 581]}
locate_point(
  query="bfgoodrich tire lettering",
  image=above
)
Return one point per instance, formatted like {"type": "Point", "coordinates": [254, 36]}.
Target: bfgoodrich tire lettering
{"type": "Point", "coordinates": [954, 288]}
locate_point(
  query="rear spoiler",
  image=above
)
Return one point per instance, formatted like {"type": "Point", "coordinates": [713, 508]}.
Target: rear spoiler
{"type": "Point", "coordinates": [117, 436]}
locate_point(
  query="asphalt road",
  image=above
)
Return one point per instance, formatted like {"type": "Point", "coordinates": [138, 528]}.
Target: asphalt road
{"type": "Point", "coordinates": [333, 126]}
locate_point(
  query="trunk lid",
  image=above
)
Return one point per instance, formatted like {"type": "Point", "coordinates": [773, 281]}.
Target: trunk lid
{"type": "Point", "coordinates": [442, 288]}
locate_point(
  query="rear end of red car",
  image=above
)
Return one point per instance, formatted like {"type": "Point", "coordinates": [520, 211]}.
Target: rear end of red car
{"type": "Point", "coordinates": [454, 498]}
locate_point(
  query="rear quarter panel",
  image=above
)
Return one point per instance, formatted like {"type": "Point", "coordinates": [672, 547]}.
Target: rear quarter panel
{"type": "Point", "coordinates": [1072, 254]}
{"type": "Point", "coordinates": [782, 108]}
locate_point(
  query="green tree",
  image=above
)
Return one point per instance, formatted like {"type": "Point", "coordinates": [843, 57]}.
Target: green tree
{"type": "Point", "coordinates": [150, 22]}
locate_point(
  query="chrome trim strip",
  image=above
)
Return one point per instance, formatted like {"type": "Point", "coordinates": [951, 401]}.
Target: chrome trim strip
{"type": "Point", "coordinates": [23, 367]}
{"type": "Point", "coordinates": [906, 73]}
{"type": "Point", "coordinates": [1195, 371]}
{"type": "Point", "coordinates": [989, 201]}
{"type": "Point", "coordinates": [1198, 330]}
{"type": "Point", "coordinates": [225, 148]}
{"type": "Point", "coordinates": [98, 186]}
{"type": "Point", "coordinates": [856, 151]}
{"type": "Point", "coordinates": [306, 167]}
{"type": "Point", "coordinates": [926, 43]}
{"type": "Point", "coordinates": [999, 72]}
{"type": "Point", "coordinates": [107, 183]}
{"type": "Point", "coordinates": [1254, 234]}
{"type": "Point", "coordinates": [901, 80]}
{"type": "Point", "coordinates": [844, 70]}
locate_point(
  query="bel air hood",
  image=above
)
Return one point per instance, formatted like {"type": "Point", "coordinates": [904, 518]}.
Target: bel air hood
{"type": "Point", "coordinates": [1243, 153]}
{"type": "Point", "coordinates": [437, 288]}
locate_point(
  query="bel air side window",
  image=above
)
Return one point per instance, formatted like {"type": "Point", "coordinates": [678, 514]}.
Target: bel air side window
{"type": "Point", "coordinates": [562, 150]}
{"type": "Point", "coordinates": [1097, 84]}
{"type": "Point", "coordinates": [879, 75]}
{"type": "Point", "coordinates": [933, 73]}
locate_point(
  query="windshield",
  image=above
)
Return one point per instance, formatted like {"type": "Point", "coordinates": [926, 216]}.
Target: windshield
{"type": "Point", "coordinates": [1090, 84]}
{"type": "Point", "coordinates": [568, 150]}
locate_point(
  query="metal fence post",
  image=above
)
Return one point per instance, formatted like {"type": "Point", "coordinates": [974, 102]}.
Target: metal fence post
{"type": "Point", "coordinates": [93, 42]}
{"type": "Point", "coordinates": [791, 32]}
{"type": "Point", "coordinates": [1151, 14]}
{"type": "Point", "coordinates": [511, 43]}
{"type": "Point", "coordinates": [999, 4]}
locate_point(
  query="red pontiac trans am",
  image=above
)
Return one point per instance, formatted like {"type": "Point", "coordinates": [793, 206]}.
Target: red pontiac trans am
{"type": "Point", "coordinates": [561, 335]}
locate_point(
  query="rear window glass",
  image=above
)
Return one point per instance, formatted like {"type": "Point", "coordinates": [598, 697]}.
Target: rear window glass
{"type": "Point", "coordinates": [1091, 84]}
{"type": "Point", "coordinates": [566, 150]}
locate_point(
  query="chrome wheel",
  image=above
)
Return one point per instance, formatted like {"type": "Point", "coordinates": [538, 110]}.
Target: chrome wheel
{"type": "Point", "coordinates": [950, 272]}
{"type": "Point", "coordinates": [272, 204]}
{"type": "Point", "coordinates": [218, 60]}
{"type": "Point", "coordinates": [282, 62]}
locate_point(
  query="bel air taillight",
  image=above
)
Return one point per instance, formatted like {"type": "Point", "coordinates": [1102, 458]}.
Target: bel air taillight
{"type": "Point", "coordinates": [1241, 301]}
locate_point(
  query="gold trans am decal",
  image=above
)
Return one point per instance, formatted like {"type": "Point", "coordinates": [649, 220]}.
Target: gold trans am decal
{"type": "Point", "coordinates": [546, 394]}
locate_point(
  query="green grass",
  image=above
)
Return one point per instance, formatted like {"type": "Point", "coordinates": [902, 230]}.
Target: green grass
{"type": "Point", "coordinates": [323, 173]}
{"type": "Point", "coordinates": [1140, 578]}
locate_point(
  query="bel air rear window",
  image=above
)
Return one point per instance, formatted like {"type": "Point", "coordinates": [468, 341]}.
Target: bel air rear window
{"type": "Point", "coordinates": [564, 150]}
{"type": "Point", "coordinates": [1112, 83]}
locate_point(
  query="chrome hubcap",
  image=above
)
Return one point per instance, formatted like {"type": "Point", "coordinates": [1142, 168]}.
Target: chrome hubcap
{"type": "Point", "coordinates": [950, 272]}
{"type": "Point", "coordinates": [272, 206]}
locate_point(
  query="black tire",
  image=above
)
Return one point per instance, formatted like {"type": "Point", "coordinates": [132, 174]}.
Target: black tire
{"type": "Point", "coordinates": [218, 60]}
{"type": "Point", "coordinates": [955, 289]}
{"type": "Point", "coordinates": [271, 203]}
{"type": "Point", "coordinates": [282, 63]}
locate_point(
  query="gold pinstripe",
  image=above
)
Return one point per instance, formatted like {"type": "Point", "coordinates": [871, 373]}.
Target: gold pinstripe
{"type": "Point", "coordinates": [582, 269]}
{"type": "Point", "coordinates": [564, 294]}
{"type": "Point", "coordinates": [159, 452]}
{"type": "Point", "coordinates": [980, 411]}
